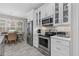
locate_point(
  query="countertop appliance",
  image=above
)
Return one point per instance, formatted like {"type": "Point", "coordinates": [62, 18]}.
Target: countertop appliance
{"type": "Point", "coordinates": [45, 43]}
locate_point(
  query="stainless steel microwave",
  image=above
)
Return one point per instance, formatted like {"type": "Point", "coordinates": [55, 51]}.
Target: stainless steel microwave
{"type": "Point", "coordinates": [47, 21]}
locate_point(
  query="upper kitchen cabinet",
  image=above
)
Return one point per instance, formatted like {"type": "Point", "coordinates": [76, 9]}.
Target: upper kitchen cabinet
{"type": "Point", "coordinates": [56, 14]}
{"type": "Point", "coordinates": [62, 14]}
{"type": "Point", "coordinates": [39, 17]}
{"type": "Point", "coordinates": [52, 9]}
{"type": "Point", "coordinates": [43, 10]}
{"type": "Point", "coordinates": [47, 14]}
{"type": "Point", "coordinates": [66, 13]}
{"type": "Point", "coordinates": [49, 10]}
{"type": "Point", "coordinates": [36, 18]}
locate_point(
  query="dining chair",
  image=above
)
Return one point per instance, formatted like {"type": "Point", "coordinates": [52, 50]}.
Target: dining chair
{"type": "Point", "coordinates": [12, 37]}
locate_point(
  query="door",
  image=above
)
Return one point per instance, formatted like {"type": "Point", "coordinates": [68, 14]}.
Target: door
{"type": "Point", "coordinates": [30, 33]}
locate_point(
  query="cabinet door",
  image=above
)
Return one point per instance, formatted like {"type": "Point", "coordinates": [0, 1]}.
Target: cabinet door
{"type": "Point", "coordinates": [37, 18]}
{"type": "Point", "coordinates": [35, 40]}
{"type": "Point", "coordinates": [52, 9]}
{"type": "Point", "coordinates": [66, 13]}
{"type": "Point", "coordinates": [42, 13]}
{"type": "Point", "coordinates": [40, 21]}
{"type": "Point", "coordinates": [59, 47]}
{"type": "Point", "coordinates": [56, 16]}
{"type": "Point", "coordinates": [60, 13]}
{"type": "Point", "coordinates": [43, 10]}
{"type": "Point", "coordinates": [48, 10]}
{"type": "Point", "coordinates": [52, 46]}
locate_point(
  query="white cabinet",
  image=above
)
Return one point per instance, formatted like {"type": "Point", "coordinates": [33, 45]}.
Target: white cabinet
{"type": "Point", "coordinates": [62, 14]}
{"type": "Point", "coordinates": [48, 10]}
{"type": "Point", "coordinates": [40, 20]}
{"type": "Point", "coordinates": [66, 13]}
{"type": "Point", "coordinates": [39, 17]}
{"type": "Point", "coordinates": [56, 14]}
{"type": "Point", "coordinates": [52, 9]}
{"type": "Point", "coordinates": [43, 10]}
{"type": "Point", "coordinates": [35, 40]}
{"type": "Point", "coordinates": [60, 46]}
{"type": "Point", "coordinates": [36, 18]}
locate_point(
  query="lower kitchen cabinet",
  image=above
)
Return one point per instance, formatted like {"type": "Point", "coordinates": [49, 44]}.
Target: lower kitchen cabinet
{"type": "Point", "coordinates": [60, 46]}
{"type": "Point", "coordinates": [35, 40]}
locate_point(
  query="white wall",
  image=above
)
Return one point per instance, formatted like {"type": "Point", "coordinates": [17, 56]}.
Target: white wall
{"type": "Point", "coordinates": [11, 19]}
{"type": "Point", "coordinates": [75, 28]}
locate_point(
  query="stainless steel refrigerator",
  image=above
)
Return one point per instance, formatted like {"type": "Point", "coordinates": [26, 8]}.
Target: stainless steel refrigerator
{"type": "Point", "coordinates": [30, 33]}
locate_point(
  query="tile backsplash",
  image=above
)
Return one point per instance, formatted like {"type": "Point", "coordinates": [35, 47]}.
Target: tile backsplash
{"type": "Point", "coordinates": [66, 29]}
{"type": "Point", "coordinates": [59, 29]}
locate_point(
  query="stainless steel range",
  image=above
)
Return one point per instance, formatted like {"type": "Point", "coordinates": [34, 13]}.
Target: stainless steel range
{"type": "Point", "coordinates": [45, 43]}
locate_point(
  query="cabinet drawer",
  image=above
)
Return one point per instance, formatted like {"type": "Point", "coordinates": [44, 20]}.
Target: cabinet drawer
{"type": "Point", "coordinates": [61, 42]}
{"type": "Point", "coordinates": [56, 53]}
{"type": "Point", "coordinates": [62, 49]}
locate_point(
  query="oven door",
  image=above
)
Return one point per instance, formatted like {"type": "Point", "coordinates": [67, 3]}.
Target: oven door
{"type": "Point", "coordinates": [44, 44]}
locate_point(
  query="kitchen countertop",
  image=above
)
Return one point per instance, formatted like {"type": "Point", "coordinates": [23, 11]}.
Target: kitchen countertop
{"type": "Point", "coordinates": [1, 39]}
{"type": "Point", "coordinates": [63, 38]}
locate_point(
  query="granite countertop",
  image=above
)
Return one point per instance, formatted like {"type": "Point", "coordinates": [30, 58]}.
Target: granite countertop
{"type": "Point", "coordinates": [1, 39]}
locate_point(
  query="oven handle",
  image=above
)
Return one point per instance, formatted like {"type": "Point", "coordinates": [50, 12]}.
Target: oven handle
{"type": "Point", "coordinates": [44, 37]}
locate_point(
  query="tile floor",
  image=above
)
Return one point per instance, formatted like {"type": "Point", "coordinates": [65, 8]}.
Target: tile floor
{"type": "Point", "coordinates": [21, 49]}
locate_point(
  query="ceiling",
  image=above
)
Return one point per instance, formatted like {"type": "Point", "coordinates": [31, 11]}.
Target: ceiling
{"type": "Point", "coordinates": [18, 9]}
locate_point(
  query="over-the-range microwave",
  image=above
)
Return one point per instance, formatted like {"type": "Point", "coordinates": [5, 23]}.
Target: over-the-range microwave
{"type": "Point", "coordinates": [48, 21]}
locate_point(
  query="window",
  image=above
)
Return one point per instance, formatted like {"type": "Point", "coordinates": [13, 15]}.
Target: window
{"type": "Point", "coordinates": [2, 25]}
{"type": "Point", "coordinates": [19, 28]}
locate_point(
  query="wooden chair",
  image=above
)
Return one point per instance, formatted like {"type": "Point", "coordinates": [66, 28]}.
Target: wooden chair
{"type": "Point", "coordinates": [12, 37]}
